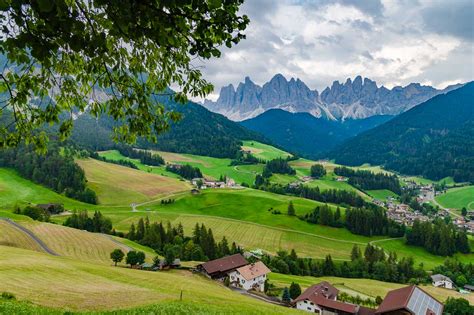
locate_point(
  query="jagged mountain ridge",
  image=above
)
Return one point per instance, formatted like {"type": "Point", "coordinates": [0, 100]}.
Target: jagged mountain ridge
{"type": "Point", "coordinates": [357, 99]}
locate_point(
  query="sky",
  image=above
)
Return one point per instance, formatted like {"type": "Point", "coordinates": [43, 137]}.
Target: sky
{"type": "Point", "coordinates": [394, 42]}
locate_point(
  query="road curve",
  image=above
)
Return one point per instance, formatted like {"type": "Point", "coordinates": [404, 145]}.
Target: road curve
{"type": "Point", "coordinates": [31, 235]}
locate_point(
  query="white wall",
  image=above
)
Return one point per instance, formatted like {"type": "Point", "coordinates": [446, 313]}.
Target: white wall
{"type": "Point", "coordinates": [308, 306]}
{"type": "Point", "coordinates": [235, 276]}
{"type": "Point", "coordinates": [443, 284]}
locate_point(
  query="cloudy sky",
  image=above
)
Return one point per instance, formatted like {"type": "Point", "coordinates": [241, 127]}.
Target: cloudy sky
{"type": "Point", "coordinates": [394, 42]}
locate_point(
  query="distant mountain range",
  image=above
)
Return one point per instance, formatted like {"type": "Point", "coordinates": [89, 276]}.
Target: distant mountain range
{"type": "Point", "coordinates": [305, 134]}
{"type": "Point", "coordinates": [357, 99]}
{"type": "Point", "coordinates": [434, 139]}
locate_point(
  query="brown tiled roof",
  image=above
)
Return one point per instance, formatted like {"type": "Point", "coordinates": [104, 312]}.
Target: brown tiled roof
{"type": "Point", "coordinates": [365, 311]}
{"type": "Point", "coordinates": [396, 299]}
{"type": "Point", "coordinates": [224, 264]}
{"type": "Point", "coordinates": [323, 288]}
{"type": "Point", "coordinates": [411, 298]}
{"type": "Point", "coordinates": [252, 271]}
{"type": "Point", "coordinates": [336, 305]}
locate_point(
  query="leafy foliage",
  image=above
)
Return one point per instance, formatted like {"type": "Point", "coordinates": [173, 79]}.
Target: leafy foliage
{"type": "Point", "coordinates": [457, 306]}
{"type": "Point", "coordinates": [198, 132]}
{"type": "Point", "coordinates": [68, 55]}
{"type": "Point", "coordinates": [434, 139]}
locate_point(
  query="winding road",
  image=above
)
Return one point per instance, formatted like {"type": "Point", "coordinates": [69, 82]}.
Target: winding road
{"type": "Point", "coordinates": [31, 235]}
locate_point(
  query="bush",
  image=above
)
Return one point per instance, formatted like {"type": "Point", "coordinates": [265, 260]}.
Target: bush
{"type": "Point", "coordinates": [8, 296]}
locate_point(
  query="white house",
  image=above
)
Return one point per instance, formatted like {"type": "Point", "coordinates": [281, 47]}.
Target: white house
{"type": "Point", "coordinates": [251, 276]}
{"type": "Point", "coordinates": [442, 281]}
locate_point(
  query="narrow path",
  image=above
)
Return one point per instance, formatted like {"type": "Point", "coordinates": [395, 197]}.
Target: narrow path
{"type": "Point", "coordinates": [110, 237]}
{"type": "Point", "coordinates": [31, 235]}
{"type": "Point", "coordinates": [447, 209]}
{"type": "Point", "coordinates": [256, 296]}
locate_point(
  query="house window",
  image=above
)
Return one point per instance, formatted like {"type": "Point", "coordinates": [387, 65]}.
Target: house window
{"type": "Point", "coordinates": [309, 308]}
{"type": "Point", "coordinates": [305, 302]}
{"type": "Point", "coordinates": [243, 281]}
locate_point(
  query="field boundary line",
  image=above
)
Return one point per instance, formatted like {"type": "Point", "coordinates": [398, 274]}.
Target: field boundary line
{"type": "Point", "coordinates": [31, 235]}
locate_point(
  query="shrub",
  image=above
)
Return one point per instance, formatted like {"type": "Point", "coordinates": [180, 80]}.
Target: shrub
{"type": "Point", "coordinates": [8, 296]}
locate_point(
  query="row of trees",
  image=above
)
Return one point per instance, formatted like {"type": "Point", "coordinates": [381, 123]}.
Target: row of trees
{"type": "Point", "coordinates": [170, 241]}
{"type": "Point", "coordinates": [367, 180]}
{"type": "Point", "coordinates": [97, 223]}
{"type": "Point", "coordinates": [122, 162]}
{"type": "Point", "coordinates": [439, 237]}
{"type": "Point", "coordinates": [314, 193]}
{"type": "Point", "coordinates": [279, 166]}
{"type": "Point", "coordinates": [373, 263]}
{"type": "Point", "coordinates": [145, 157]}
{"type": "Point", "coordinates": [363, 221]}
{"type": "Point", "coordinates": [371, 221]}
{"type": "Point", "coordinates": [186, 171]}
{"type": "Point", "coordinates": [55, 169]}
{"type": "Point", "coordinates": [244, 158]}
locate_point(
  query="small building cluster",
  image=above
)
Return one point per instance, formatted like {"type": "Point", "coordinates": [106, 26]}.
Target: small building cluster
{"type": "Point", "coordinates": [412, 300]}
{"type": "Point", "coordinates": [241, 274]}
{"type": "Point", "coordinates": [203, 183]}
{"type": "Point", "coordinates": [463, 223]}
{"type": "Point", "coordinates": [402, 214]}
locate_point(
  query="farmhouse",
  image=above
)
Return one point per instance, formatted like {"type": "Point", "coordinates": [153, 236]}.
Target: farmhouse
{"type": "Point", "coordinates": [441, 281]}
{"type": "Point", "coordinates": [409, 300]}
{"type": "Point", "coordinates": [251, 276]}
{"type": "Point", "coordinates": [219, 268]}
{"type": "Point", "coordinates": [321, 298]}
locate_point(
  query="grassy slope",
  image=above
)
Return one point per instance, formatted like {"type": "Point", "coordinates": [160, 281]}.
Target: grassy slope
{"type": "Point", "coordinates": [66, 283]}
{"type": "Point", "coordinates": [120, 185]}
{"type": "Point", "coordinates": [457, 198]}
{"type": "Point", "coordinates": [362, 287]}
{"type": "Point", "coordinates": [215, 208]}
{"type": "Point", "coordinates": [11, 236]}
{"type": "Point", "coordinates": [211, 167]}
{"type": "Point", "coordinates": [264, 151]}
{"type": "Point", "coordinates": [381, 194]}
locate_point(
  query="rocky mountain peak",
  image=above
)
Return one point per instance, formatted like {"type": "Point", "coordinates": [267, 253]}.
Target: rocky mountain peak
{"type": "Point", "coordinates": [357, 98]}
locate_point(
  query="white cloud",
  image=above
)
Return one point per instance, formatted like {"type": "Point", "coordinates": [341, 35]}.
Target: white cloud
{"type": "Point", "coordinates": [392, 42]}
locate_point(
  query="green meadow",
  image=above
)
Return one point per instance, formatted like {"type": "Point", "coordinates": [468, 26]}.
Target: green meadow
{"type": "Point", "coordinates": [457, 198]}
{"type": "Point", "coordinates": [264, 151]}
{"type": "Point", "coordinates": [381, 194]}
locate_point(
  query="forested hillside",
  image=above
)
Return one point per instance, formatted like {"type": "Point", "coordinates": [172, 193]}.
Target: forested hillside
{"type": "Point", "coordinates": [198, 132]}
{"type": "Point", "coordinates": [305, 134]}
{"type": "Point", "coordinates": [434, 139]}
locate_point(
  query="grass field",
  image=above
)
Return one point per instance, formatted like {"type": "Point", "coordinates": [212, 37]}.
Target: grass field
{"type": "Point", "coordinates": [120, 185]}
{"type": "Point", "coordinates": [211, 168]}
{"type": "Point", "coordinates": [60, 282]}
{"type": "Point", "coordinates": [457, 198]}
{"type": "Point", "coordinates": [264, 151]}
{"type": "Point", "coordinates": [362, 287]}
{"type": "Point", "coordinates": [14, 189]}
{"type": "Point", "coordinates": [78, 244]}
{"type": "Point", "coordinates": [11, 236]}
{"type": "Point", "coordinates": [381, 194]}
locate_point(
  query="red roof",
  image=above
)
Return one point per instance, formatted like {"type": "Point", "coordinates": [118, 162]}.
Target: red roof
{"type": "Point", "coordinates": [408, 298]}
{"type": "Point", "coordinates": [324, 289]}
{"type": "Point", "coordinates": [336, 305]}
{"type": "Point", "coordinates": [396, 299]}
{"type": "Point", "coordinates": [224, 264]}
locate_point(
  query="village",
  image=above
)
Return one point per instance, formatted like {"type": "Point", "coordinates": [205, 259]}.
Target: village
{"type": "Point", "coordinates": [322, 298]}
